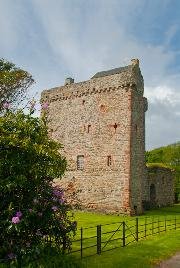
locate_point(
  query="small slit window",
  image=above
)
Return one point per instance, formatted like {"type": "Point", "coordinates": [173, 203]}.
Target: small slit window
{"type": "Point", "coordinates": [89, 127]}
{"type": "Point", "coordinates": [102, 108]}
{"type": "Point", "coordinates": [115, 126]}
{"type": "Point", "coordinates": [80, 162]}
{"type": "Point", "coordinates": [109, 160]}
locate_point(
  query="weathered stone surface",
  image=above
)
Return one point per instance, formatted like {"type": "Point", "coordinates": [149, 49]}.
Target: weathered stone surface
{"type": "Point", "coordinates": [162, 180]}
{"type": "Point", "coordinates": [102, 119]}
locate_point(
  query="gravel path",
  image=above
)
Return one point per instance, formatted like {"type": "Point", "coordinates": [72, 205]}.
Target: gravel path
{"type": "Point", "coordinates": [173, 262]}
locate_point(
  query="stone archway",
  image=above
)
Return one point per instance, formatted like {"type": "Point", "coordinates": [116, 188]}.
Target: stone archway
{"type": "Point", "coordinates": [153, 195]}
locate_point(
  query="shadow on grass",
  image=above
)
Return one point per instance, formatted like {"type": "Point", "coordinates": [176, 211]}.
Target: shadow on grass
{"type": "Point", "coordinates": [173, 210]}
{"type": "Point", "coordinates": [144, 254]}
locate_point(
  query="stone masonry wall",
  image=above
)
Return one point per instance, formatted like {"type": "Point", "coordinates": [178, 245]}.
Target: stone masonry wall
{"type": "Point", "coordinates": [96, 119]}
{"type": "Point", "coordinates": [139, 107]}
{"type": "Point", "coordinates": [163, 181]}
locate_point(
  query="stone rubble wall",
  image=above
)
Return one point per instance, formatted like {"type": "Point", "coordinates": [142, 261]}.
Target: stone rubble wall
{"type": "Point", "coordinates": [163, 179]}
{"type": "Point", "coordinates": [99, 186]}
{"type": "Point", "coordinates": [137, 150]}
{"type": "Point", "coordinates": [101, 103]}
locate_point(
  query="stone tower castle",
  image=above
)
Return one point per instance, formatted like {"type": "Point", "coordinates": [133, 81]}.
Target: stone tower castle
{"type": "Point", "coordinates": [101, 124]}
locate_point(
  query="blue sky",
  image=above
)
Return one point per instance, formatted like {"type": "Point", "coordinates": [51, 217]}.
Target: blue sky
{"type": "Point", "coordinates": [53, 39]}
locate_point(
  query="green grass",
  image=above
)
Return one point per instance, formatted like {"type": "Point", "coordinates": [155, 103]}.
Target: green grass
{"type": "Point", "coordinates": [142, 254]}
{"type": "Point", "coordinates": [158, 165]}
{"type": "Point", "coordinates": [86, 219]}
{"type": "Point", "coordinates": [151, 223]}
{"type": "Point", "coordinates": [170, 211]}
{"type": "Point", "coordinates": [155, 219]}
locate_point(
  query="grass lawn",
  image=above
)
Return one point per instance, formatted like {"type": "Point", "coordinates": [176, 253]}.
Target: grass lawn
{"type": "Point", "coordinates": [142, 254]}
{"type": "Point", "coordinates": [86, 219]}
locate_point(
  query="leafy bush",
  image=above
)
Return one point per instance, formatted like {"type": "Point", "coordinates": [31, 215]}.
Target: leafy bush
{"type": "Point", "coordinates": [31, 209]}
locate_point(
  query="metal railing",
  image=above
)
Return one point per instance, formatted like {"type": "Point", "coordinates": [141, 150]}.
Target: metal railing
{"type": "Point", "coordinates": [97, 239]}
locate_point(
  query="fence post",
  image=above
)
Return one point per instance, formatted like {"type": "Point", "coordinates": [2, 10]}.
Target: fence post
{"type": "Point", "coordinates": [124, 234]}
{"type": "Point", "coordinates": [165, 223]}
{"type": "Point", "coordinates": [175, 223]}
{"type": "Point", "coordinates": [99, 239]}
{"type": "Point", "coordinates": [81, 242]}
{"type": "Point", "coordinates": [137, 231]}
{"type": "Point", "coordinates": [145, 231]}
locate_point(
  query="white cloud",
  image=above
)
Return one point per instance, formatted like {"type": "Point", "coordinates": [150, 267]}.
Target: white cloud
{"type": "Point", "coordinates": [163, 116]}
{"type": "Point", "coordinates": [97, 39]}
{"type": "Point", "coordinates": [79, 38]}
{"type": "Point", "coordinates": [8, 26]}
{"type": "Point", "coordinates": [162, 94]}
{"type": "Point", "coordinates": [170, 33]}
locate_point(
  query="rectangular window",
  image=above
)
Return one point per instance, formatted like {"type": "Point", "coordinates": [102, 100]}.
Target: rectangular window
{"type": "Point", "coordinates": [89, 127]}
{"type": "Point", "coordinates": [109, 160]}
{"type": "Point", "coordinates": [80, 162]}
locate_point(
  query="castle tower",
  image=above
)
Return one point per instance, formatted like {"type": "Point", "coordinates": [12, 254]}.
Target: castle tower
{"type": "Point", "coordinates": [101, 124]}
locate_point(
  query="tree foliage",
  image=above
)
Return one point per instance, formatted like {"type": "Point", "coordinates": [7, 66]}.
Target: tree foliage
{"type": "Point", "coordinates": [13, 83]}
{"type": "Point", "coordinates": [31, 209]}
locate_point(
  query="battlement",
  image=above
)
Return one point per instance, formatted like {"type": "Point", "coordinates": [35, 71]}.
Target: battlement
{"type": "Point", "coordinates": [128, 77]}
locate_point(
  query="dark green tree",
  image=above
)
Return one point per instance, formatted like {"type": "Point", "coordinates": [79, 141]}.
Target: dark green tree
{"type": "Point", "coordinates": [31, 208]}
{"type": "Point", "coordinates": [14, 83]}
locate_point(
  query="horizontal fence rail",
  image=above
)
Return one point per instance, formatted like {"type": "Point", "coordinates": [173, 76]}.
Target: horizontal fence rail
{"type": "Point", "coordinates": [97, 239]}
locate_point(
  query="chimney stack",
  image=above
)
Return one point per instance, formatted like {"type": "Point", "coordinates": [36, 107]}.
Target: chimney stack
{"type": "Point", "coordinates": [69, 81]}
{"type": "Point", "coordinates": [135, 62]}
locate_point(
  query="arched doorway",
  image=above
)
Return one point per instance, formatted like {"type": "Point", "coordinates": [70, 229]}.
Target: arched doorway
{"type": "Point", "coordinates": [153, 195]}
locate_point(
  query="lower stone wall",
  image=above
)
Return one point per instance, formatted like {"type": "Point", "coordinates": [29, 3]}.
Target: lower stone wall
{"type": "Point", "coordinates": [158, 187]}
{"type": "Point", "coordinates": [105, 194]}
{"type": "Point", "coordinates": [109, 193]}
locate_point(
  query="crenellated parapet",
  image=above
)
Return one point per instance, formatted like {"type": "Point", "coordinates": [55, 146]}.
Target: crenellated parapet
{"type": "Point", "coordinates": [75, 93]}
{"type": "Point", "coordinates": [123, 78]}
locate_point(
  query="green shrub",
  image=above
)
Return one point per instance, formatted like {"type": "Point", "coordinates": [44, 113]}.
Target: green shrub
{"type": "Point", "coordinates": [31, 209]}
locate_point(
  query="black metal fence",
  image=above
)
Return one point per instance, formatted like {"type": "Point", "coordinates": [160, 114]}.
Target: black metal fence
{"type": "Point", "coordinates": [97, 239]}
